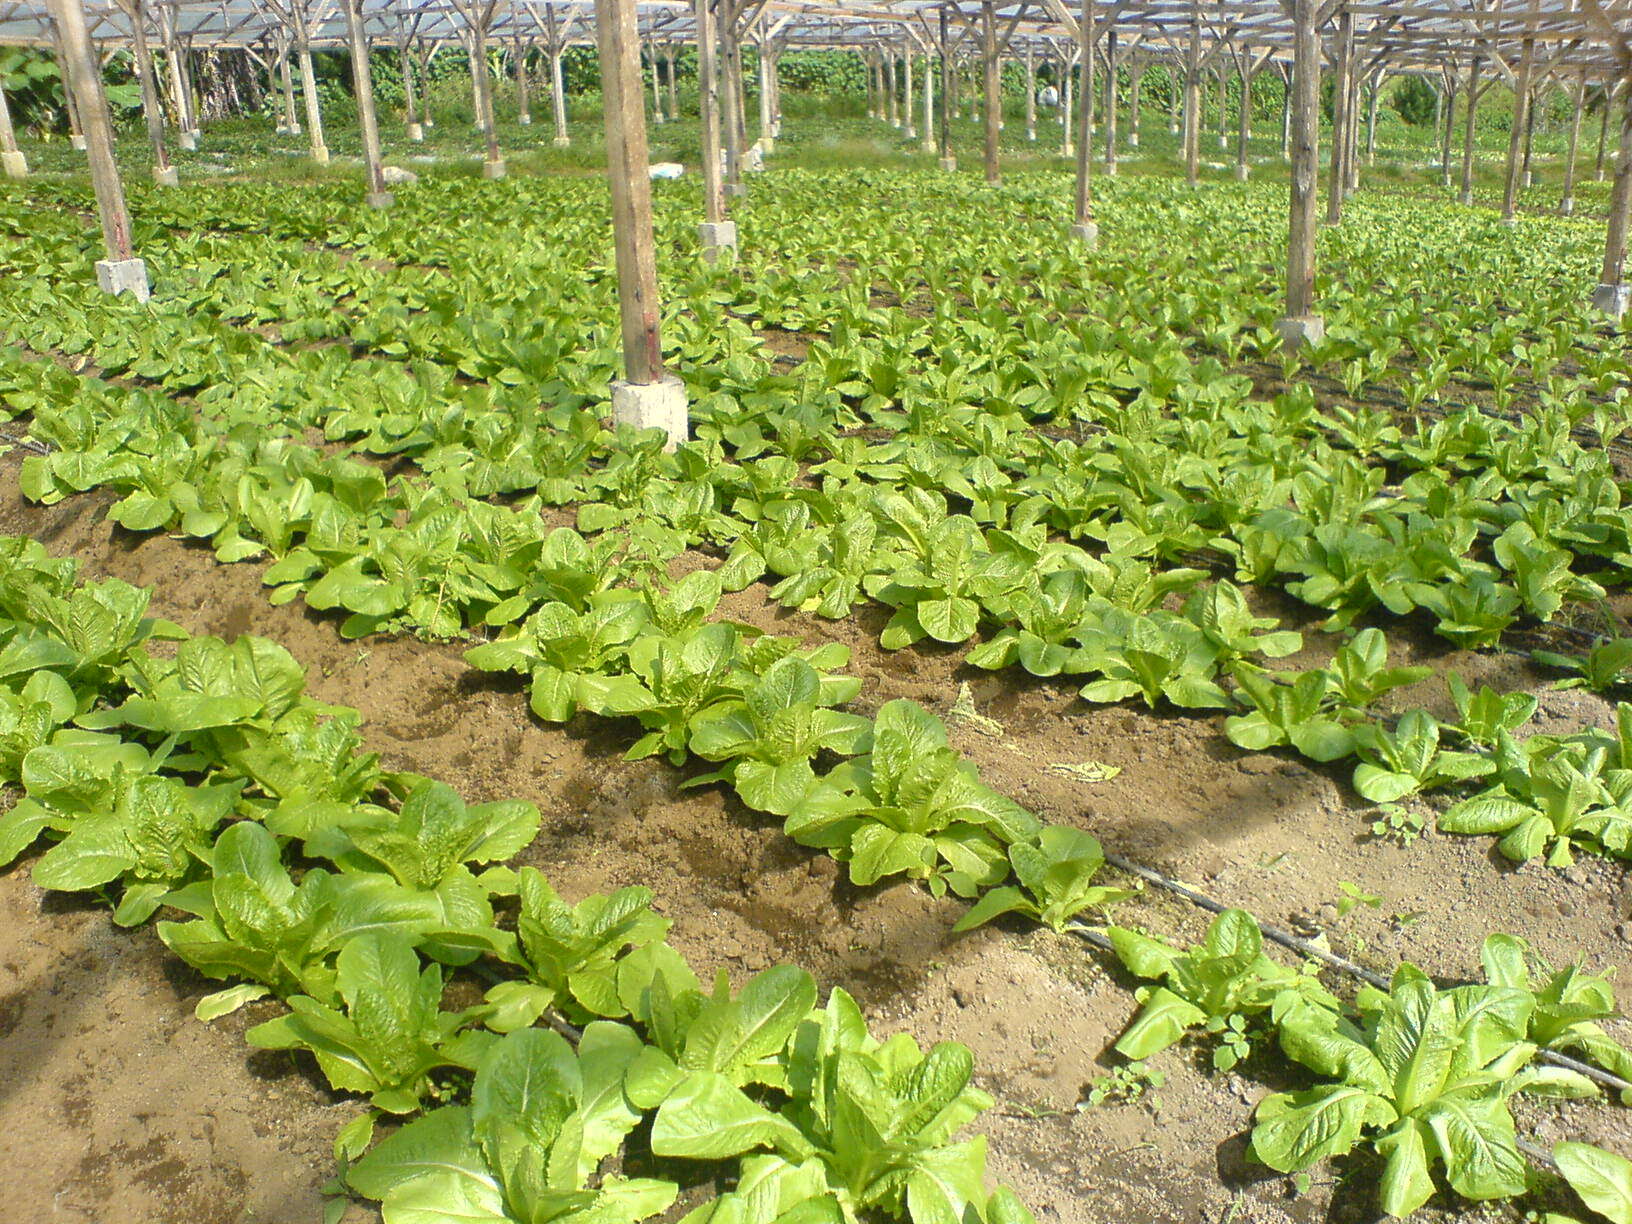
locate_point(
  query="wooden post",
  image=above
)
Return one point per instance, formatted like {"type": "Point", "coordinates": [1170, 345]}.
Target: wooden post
{"type": "Point", "coordinates": [1175, 92]}
{"type": "Point", "coordinates": [1243, 129]}
{"type": "Point", "coordinates": [891, 101]}
{"type": "Point", "coordinates": [1471, 107]}
{"type": "Point", "coordinates": [308, 85]}
{"type": "Point", "coordinates": [524, 109]}
{"type": "Point", "coordinates": [1351, 143]}
{"type": "Point", "coordinates": [1612, 293]}
{"type": "Point", "coordinates": [1084, 230]}
{"type": "Point", "coordinates": [1603, 129]}
{"type": "Point", "coordinates": [554, 45]}
{"type": "Point", "coordinates": [362, 84]}
{"type": "Point", "coordinates": [1223, 107]}
{"type": "Point", "coordinates": [929, 104]}
{"type": "Point", "coordinates": [766, 141]}
{"type": "Point", "coordinates": [12, 161]}
{"type": "Point", "coordinates": [657, 85]}
{"type": "Point", "coordinates": [1525, 176]}
{"type": "Point", "coordinates": [1110, 100]}
{"type": "Point", "coordinates": [674, 88]}
{"type": "Point", "coordinates": [478, 18]}
{"type": "Point", "coordinates": [120, 272]}
{"type": "Point", "coordinates": [76, 127]}
{"type": "Point", "coordinates": [736, 130]}
{"type": "Point", "coordinates": [1192, 101]}
{"type": "Point", "coordinates": [948, 162]}
{"type": "Point", "coordinates": [152, 110]}
{"type": "Point", "coordinates": [1067, 100]}
{"type": "Point", "coordinates": [1136, 80]}
{"type": "Point", "coordinates": [647, 397]}
{"type": "Point", "coordinates": [1371, 117]}
{"type": "Point", "coordinates": [1566, 204]}
{"type": "Point", "coordinates": [286, 80]}
{"type": "Point", "coordinates": [410, 93]}
{"type": "Point", "coordinates": [1302, 325]}
{"type": "Point", "coordinates": [908, 123]}
{"type": "Point", "coordinates": [1031, 93]}
{"type": "Point", "coordinates": [1515, 136]}
{"type": "Point", "coordinates": [1450, 128]}
{"type": "Point", "coordinates": [993, 97]}
{"type": "Point", "coordinates": [717, 235]}
{"type": "Point", "coordinates": [1342, 102]}
{"type": "Point", "coordinates": [867, 76]}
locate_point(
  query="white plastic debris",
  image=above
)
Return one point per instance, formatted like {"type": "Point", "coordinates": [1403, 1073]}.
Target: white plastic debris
{"type": "Point", "coordinates": [667, 170]}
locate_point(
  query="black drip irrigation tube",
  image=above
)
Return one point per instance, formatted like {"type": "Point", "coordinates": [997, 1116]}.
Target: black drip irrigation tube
{"type": "Point", "coordinates": [1304, 948]}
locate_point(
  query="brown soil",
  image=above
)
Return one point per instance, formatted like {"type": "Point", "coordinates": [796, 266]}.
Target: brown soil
{"type": "Point", "coordinates": [117, 1104]}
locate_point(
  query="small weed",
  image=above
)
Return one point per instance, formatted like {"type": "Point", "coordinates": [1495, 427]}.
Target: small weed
{"type": "Point", "coordinates": [1124, 1085]}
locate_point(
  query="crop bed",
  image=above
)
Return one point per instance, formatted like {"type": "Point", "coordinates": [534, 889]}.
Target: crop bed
{"type": "Point", "coordinates": [1151, 584]}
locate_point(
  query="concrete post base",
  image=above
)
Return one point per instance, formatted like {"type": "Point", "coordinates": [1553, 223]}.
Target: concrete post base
{"type": "Point", "coordinates": [294, 129]}
{"type": "Point", "coordinates": [14, 164]}
{"type": "Point", "coordinates": [766, 144]}
{"type": "Point", "coordinates": [1529, 178]}
{"type": "Point", "coordinates": [911, 133]}
{"type": "Point", "coordinates": [1031, 135]}
{"type": "Point", "coordinates": [379, 199]}
{"type": "Point", "coordinates": [166, 177]}
{"type": "Point", "coordinates": [1133, 140]}
{"type": "Point", "coordinates": [188, 141]}
{"type": "Point", "coordinates": [416, 133]}
{"type": "Point", "coordinates": [1508, 222]}
{"type": "Point", "coordinates": [1302, 330]}
{"type": "Point", "coordinates": [321, 155]}
{"type": "Point", "coordinates": [1612, 299]}
{"type": "Point", "coordinates": [561, 142]}
{"type": "Point", "coordinates": [928, 146]}
{"type": "Point", "coordinates": [1566, 206]}
{"type": "Point", "coordinates": [123, 276]}
{"type": "Point", "coordinates": [719, 239]}
{"type": "Point", "coordinates": [659, 405]}
{"type": "Point", "coordinates": [281, 130]}
{"type": "Point", "coordinates": [77, 143]}
{"type": "Point", "coordinates": [1110, 170]}
{"type": "Point", "coordinates": [1087, 234]}
{"type": "Point", "coordinates": [527, 120]}
{"type": "Point", "coordinates": [1242, 174]}
{"type": "Point", "coordinates": [949, 163]}
{"type": "Point", "coordinates": [735, 190]}
{"type": "Point", "coordinates": [494, 169]}
{"type": "Point", "coordinates": [1172, 129]}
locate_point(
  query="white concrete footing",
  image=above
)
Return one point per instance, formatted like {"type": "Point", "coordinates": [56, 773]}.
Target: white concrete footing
{"type": "Point", "coordinates": [123, 276]}
{"type": "Point", "coordinates": [1031, 135]}
{"type": "Point", "coordinates": [1566, 206]}
{"type": "Point", "coordinates": [910, 132]}
{"type": "Point", "coordinates": [1086, 234]}
{"type": "Point", "coordinates": [527, 120]}
{"type": "Point", "coordinates": [15, 164]}
{"type": "Point", "coordinates": [1529, 178]}
{"type": "Point", "coordinates": [1133, 140]}
{"type": "Point", "coordinates": [659, 405]}
{"type": "Point", "coordinates": [166, 176]}
{"type": "Point", "coordinates": [379, 199]}
{"type": "Point", "coordinates": [561, 142]}
{"type": "Point", "coordinates": [188, 141]}
{"type": "Point", "coordinates": [416, 133]}
{"type": "Point", "coordinates": [1302, 330]}
{"type": "Point", "coordinates": [321, 155]}
{"type": "Point", "coordinates": [1242, 173]}
{"type": "Point", "coordinates": [494, 169]}
{"type": "Point", "coordinates": [77, 143]}
{"type": "Point", "coordinates": [1612, 300]}
{"type": "Point", "coordinates": [719, 239]}
{"type": "Point", "coordinates": [294, 129]}
{"type": "Point", "coordinates": [735, 190]}
{"type": "Point", "coordinates": [949, 163]}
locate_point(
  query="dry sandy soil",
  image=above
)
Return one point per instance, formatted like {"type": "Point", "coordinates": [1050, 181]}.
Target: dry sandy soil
{"type": "Point", "coordinates": [117, 1105]}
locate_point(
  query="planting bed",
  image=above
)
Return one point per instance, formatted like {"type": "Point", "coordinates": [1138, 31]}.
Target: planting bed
{"type": "Point", "coordinates": [117, 1103]}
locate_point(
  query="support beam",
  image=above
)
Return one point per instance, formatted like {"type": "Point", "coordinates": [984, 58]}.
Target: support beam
{"type": "Point", "coordinates": [928, 145]}
{"type": "Point", "coordinates": [1521, 118]}
{"type": "Point", "coordinates": [410, 94]}
{"type": "Point", "coordinates": [121, 271]}
{"type": "Point", "coordinates": [1243, 129]}
{"type": "Point", "coordinates": [1192, 100]}
{"type": "Point", "coordinates": [717, 235]}
{"type": "Point", "coordinates": [1450, 129]}
{"type": "Point", "coordinates": [1342, 104]}
{"type": "Point", "coordinates": [362, 86]}
{"type": "Point", "coordinates": [1136, 80]}
{"type": "Point", "coordinates": [1566, 203]}
{"type": "Point", "coordinates": [1613, 294]}
{"type": "Point", "coordinates": [558, 100]}
{"type": "Point", "coordinates": [12, 161]}
{"type": "Point", "coordinates": [1470, 107]}
{"type": "Point", "coordinates": [647, 396]}
{"type": "Point", "coordinates": [135, 12]}
{"type": "Point", "coordinates": [993, 100]}
{"type": "Point", "coordinates": [1110, 101]}
{"type": "Point", "coordinates": [286, 79]}
{"type": "Point", "coordinates": [1031, 95]}
{"type": "Point", "coordinates": [1302, 325]}
{"type": "Point", "coordinates": [909, 124]}
{"type": "Point", "coordinates": [1084, 229]}
{"type": "Point", "coordinates": [524, 108]}
{"type": "Point", "coordinates": [1603, 130]}
{"type": "Point", "coordinates": [308, 85]}
{"type": "Point", "coordinates": [76, 128]}
{"type": "Point", "coordinates": [948, 80]}
{"type": "Point", "coordinates": [672, 57]}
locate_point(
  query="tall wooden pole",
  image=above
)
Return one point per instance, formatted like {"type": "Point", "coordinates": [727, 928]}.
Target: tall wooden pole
{"type": "Point", "coordinates": [477, 20]}
{"type": "Point", "coordinates": [1612, 293]}
{"type": "Point", "coordinates": [993, 101]}
{"type": "Point", "coordinates": [1243, 130]}
{"type": "Point", "coordinates": [908, 122]}
{"type": "Point", "coordinates": [1450, 128]}
{"type": "Point", "coordinates": [948, 161]}
{"type": "Point", "coordinates": [1084, 229]}
{"type": "Point", "coordinates": [286, 81]}
{"type": "Point", "coordinates": [1136, 80]}
{"type": "Point", "coordinates": [410, 94]}
{"type": "Point", "coordinates": [152, 109]}
{"type": "Point", "coordinates": [1603, 129]}
{"type": "Point", "coordinates": [1342, 103]}
{"type": "Point", "coordinates": [524, 108]}
{"type": "Point", "coordinates": [1031, 94]}
{"type": "Point", "coordinates": [1302, 325]}
{"type": "Point", "coordinates": [1471, 108]}
{"type": "Point", "coordinates": [1223, 108]}
{"type": "Point", "coordinates": [1110, 100]}
{"type": "Point", "coordinates": [554, 46]}
{"type": "Point", "coordinates": [731, 65]}
{"type": "Point", "coordinates": [717, 235]}
{"type": "Point", "coordinates": [308, 85]}
{"type": "Point", "coordinates": [12, 161]}
{"type": "Point", "coordinates": [1067, 100]}
{"type": "Point", "coordinates": [928, 137]}
{"type": "Point", "coordinates": [121, 271]}
{"type": "Point", "coordinates": [1192, 100]}
{"type": "Point", "coordinates": [362, 85]}
{"type": "Point", "coordinates": [647, 397]}
{"type": "Point", "coordinates": [1566, 204]}
{"type": "Point", "coordinates": [1515, 137]}
{"type": "Point", "coordinates": [674, 84]}
{"type": "Point", "coordinates": [76, 127]}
